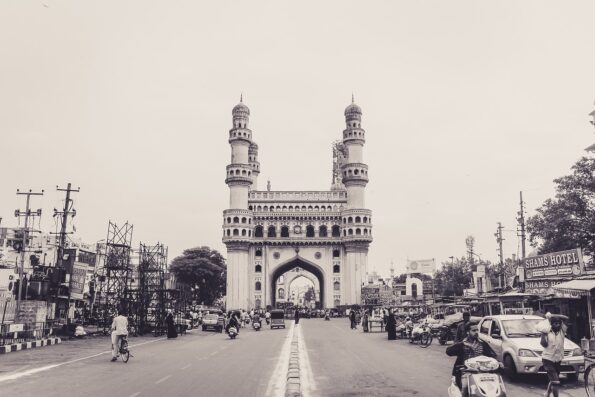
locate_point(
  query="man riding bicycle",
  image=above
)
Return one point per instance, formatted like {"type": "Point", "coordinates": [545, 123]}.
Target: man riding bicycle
{"type": "Point", "coordinates": [119, 331]}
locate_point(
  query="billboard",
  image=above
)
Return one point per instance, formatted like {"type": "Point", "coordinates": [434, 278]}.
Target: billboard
{"type": "Point", "coordinates": [77, 280]}
{"type": "Point", "coordinates": [566, 264]}
{"type": "Point", "coordinates": [421, 266]}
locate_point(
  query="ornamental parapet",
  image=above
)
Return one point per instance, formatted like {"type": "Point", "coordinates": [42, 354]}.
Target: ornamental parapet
{"type": "Point", "coordinates": [236, 245]}
{"type": "Point", "coordinates": [356, 246]}
{"type": "Point", "coordinates": [354, 134]}
{"type": "Point", "coordinates": [361, 238]}
{"type": "Point", "coordinates": [300, 196]}
{"type": "Point", "coordinates": [238, 174]}
{"type": "Point", "coordinates": [355, 173]}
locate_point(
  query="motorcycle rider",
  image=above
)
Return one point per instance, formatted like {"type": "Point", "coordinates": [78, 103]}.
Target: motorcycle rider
{"type": "Point", "coordinates": [232, 322]}
{"type": "Point", "coordinates": [469, 347]}
{"type": "Point", "coordinates": [256, 319]}
{"type": "Point", "coordinates": [267, 317]}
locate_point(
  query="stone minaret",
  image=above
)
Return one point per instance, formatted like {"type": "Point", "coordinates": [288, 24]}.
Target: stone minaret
{"type": "Point", "coordinates": [237, 220]}
{"type": "Point", "coordinates": [357, 226]}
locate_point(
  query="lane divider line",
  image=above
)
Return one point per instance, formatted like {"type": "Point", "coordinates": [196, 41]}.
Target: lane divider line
{"type": "Point", "coordinates": [307, 382]}
{"type": "Point", "coordinates": [135, 394]}
{"type": "Point", "coordinates": [48, 367]}
{"type": "Point", "coordinates": [163, 379]}
{"type": "Point", "coordinates": [293, 386]}
{"type": "Point", "coordinates": [186, 366]}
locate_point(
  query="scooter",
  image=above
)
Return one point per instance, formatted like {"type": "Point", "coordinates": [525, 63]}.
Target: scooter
{"type": "Point", "coordinates": [232, 332]}
{"type": "Point", "coordinates": [256, 325]}
{"type": "Point", "coordinates": [480, 379]}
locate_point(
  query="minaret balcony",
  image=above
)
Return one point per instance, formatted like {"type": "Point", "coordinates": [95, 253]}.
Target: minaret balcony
{"type": "Point", "coordinates": [355, 173]}
{"type": "Point", "coordinates": [239, 174]}
{"type": "Point", "coordinates": [240, 134]}
{"type": "Point", "coordinates": [354, 134]}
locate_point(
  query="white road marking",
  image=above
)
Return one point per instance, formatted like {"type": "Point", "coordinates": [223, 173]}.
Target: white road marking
{"type": "Point", "coordinates": [135, 394]}
{"type": "Point", "coordinates": [277, 383]}
{"type": "Point", "coordinates": [186, 366]}
{"type": "Point", "coordinates": [163, 379]}
{"type": "Point", "coordinates": [306, 376]}
{"type": "Point", "coordinates": [48, 367]}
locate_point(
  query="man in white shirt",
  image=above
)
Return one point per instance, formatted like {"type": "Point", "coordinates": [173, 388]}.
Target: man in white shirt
{"type": "Point", "coordinates": [553, 353]}
{"type": "Point", "coordinates": [119, 330]}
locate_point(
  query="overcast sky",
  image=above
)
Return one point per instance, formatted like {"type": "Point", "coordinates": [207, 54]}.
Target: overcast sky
{"type": "Point", "coordinates": [465, 103]}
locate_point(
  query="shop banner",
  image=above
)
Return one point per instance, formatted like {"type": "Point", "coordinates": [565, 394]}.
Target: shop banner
{"type": "Point", "coordinates": [565, 264]}
{"type": "Point", "coordinates": [77, 280]}
{"type": "Point", "coordinates": [546, 287]}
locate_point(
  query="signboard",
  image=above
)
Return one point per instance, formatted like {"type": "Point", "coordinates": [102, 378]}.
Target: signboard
{"type": "Point", "coordinates": [546, 287]}
{"type": "Point", "coordinates": [31, 313]}
{"type": "Point", "coordinates": [77, 280]}
{"type": "Point", "coordinates": [566, 264]}
{"type": "Point", "coordinates": [421, 266]}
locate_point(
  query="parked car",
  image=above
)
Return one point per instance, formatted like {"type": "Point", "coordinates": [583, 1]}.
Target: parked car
{"type": "Point", "coordinates": [515, 340]}
{"type": "Point", "coordinates": [211, 321]}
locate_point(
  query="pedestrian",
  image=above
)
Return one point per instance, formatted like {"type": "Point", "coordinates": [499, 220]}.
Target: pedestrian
{"type": "Point", "coordinates": [553, 353]}
{"type": "Point", "coordinates": [352, 319]}
{"type": "Point", "coordinates": [297, 316]}
{"type": "Point", "coordinates": [461, 333]}
{"type": "Point", "coordinates": [365, 321]}
{"type": "Point", "coordinates": [171, 326]}
{"type": "Point", "coordinates": [119, 331]}
{"type": "Point", "coordinates": [391, 325]}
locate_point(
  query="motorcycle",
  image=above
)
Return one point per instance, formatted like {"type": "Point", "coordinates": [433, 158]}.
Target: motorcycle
{"type": "Point", "coordinates": [480, 379]}
{"type": "Point", "coordinates": [232, 332]}
{"type": "Point", "coordinates": [445, 334]}
{"type": "Point", "coordinates": [256, 325]}
{"type": "Point", "coordinates": [268, 320]}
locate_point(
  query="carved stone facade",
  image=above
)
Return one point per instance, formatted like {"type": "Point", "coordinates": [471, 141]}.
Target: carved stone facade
{"type": "Point", "coordinates": [268, 233]}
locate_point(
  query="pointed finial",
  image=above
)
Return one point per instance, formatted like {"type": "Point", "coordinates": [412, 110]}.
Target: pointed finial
{"type": "Point", "coordinates": [241, 97]}
{"type": "Point", "coordinates": [352, 98]}
{"type": "Point", "coordinates": [269, 185]}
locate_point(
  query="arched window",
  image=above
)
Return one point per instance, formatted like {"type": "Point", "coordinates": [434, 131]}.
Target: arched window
{"type": "Point", "coordinates": [336, 269]}
{"type": "Point", "coordinates": [291, 208]}
{"type": "Point", "coordinates": [337, 302]}
{"type": "Point", "coordinates": [358, 219]}
{"type": "Point", "coordinates": [365, 219]}
{"type": "Point", "coordinates": [272, 232]}
{"type": "Point", "coordinates": [310, 208]}
{"type": "Point", "coordinates": [258, 269]}
{"type": "Point", "coordinates": [228, 220]}
{"type": "Point", "coordinates": [281, 293]}
{"type": "Point", "coordinates": [257, 286]}
{"type": "Point", "coordinates": [258, 232]}
{"type": "Point", "coordinates": [236, 232]}
{"type": "Point", "coordinates": [336, 231]}
{"type": "Point", "coordinates": [228, 232]}
{"type": "Point", "coordinates": [414, 290]}
{"type": "Point", "coordinates": [309, 231]}
{"type": "Point", "coordinates": [322, 231]}
{"type": "Point", "coordinates": [303, 207]}
{"type": "Point", "coordinates": [243, 232]}
{"type": "Point", "coordinates": [337, 286]}
{"type": "Point", "coordinates": [259, 251]}
{"type": "Point", "coordinates": [243, 219]}
{"type": "Point", "coordinates": [344, 232]}
{"type": "Point", "coordinates": [284, 231]}
{"type": "Point", "coordinates": [336, 253]}
{"type": "Point", "coordinates": [358, 231]}
{"type": "Point", "coordinates": [236, 219]}
{"type": "Point", "coordinates": [265, 208]}
{"type": "Point", "coordinates": [350, 232]}
{"type": "Point", "coordinates": [350, 220]}
{"type": "Point", "coordinates": [259, 208]}
{"type": "Point", "coordinates": [365, 232]}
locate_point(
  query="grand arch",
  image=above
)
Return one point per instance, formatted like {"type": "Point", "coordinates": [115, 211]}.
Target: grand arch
{"type": "Point", "coordinates": [291, 264]}
{"type": "Point", "coordinates": [290, 277]}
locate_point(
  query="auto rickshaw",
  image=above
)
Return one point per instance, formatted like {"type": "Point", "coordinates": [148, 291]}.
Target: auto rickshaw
{"type": "Point", "coordinates": [277, 318]}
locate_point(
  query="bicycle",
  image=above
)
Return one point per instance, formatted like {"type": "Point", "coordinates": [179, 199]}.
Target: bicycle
{"type": "Point", "coordinates": [123, 350]}
{"type": "Point", "coordinates": [424, 337]}
{"type": "Point", "coordinates": [590, 376]}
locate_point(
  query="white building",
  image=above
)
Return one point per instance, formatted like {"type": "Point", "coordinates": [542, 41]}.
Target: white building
{"type": "Point", "coordinates": [268, 233]}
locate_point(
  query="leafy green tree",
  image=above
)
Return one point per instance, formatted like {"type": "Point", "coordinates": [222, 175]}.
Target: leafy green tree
{"type": "Point", "coordinates": [568, 220]}
{"type": "Point", "coordinates": [454, 277]}
{"type": "Point", "coordinates": [204, 269]}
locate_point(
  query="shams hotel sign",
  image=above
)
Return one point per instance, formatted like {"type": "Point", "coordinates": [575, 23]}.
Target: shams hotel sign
{"type": "Point", "coordinates": [543, 272]}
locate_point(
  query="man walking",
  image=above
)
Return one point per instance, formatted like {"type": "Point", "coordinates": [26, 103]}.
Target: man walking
{"type": "Point", "coordinates": [119, 330]}
{"type": "Point", "coordinates": [553, 353]}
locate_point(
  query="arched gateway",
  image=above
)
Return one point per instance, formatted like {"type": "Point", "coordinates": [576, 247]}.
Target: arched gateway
{"type": "Point", "coordinates": [296, 263]}
{"type": "Point", "coordinates": [268, 233]}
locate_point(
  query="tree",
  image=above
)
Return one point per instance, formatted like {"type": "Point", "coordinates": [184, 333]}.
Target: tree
{"type": "Point", "coordinates": [204, 269]}
{"type": "Point", "coordinates": [568, 220]}
{"type": "Point", "coordinates": [453, 278]}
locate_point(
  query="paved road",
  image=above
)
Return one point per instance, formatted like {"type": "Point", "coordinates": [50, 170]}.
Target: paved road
{"type": "Point", "coordinates": [336, 361]}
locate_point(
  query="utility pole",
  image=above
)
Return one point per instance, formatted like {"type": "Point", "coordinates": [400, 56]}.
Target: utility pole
{"type": "Point", "coordinates": [521, 220]}
{"type": "Point", "coordinates": [27, 213]}
{"type": "Point", "coordinates": [499, 240]}
{"type": "Point", "coordinates": [68, 204]}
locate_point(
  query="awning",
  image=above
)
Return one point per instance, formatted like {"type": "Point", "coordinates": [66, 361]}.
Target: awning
{"type": "Point", "coordinates": [580, 287]}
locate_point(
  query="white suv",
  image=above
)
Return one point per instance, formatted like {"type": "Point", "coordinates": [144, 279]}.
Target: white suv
{"type": "Point", "coordinates": [515, 340]}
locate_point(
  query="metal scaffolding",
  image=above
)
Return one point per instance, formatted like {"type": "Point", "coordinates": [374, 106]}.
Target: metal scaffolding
{"type": "Point", "coordinates": [152, 270]}
{"type": "Point", "coordinates": [115, 274]}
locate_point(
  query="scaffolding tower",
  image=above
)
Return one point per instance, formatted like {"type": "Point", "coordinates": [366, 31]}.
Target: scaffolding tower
{"type": "Point", "coordinates": [151, 272]}
{"type": "Point", "coordinates": [114, 276]}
